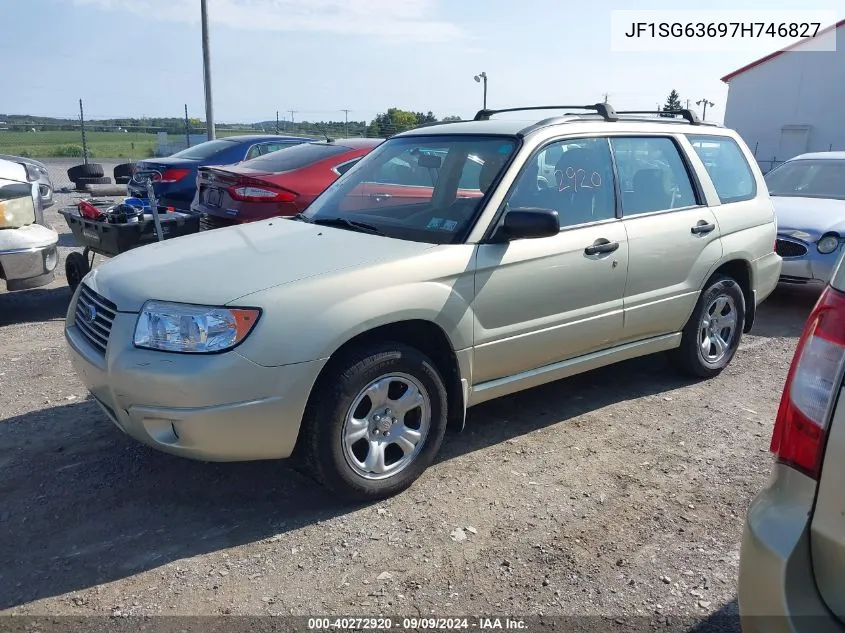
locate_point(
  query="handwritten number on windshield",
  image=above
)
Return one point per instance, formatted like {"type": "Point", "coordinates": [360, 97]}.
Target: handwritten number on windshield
{"type": "Point", "coordinates": [577, 179]}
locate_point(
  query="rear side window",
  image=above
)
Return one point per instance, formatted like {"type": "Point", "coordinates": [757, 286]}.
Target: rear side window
{"type": "Point", "coordinates": [652, 175]}
{"type": "Point", "coordinates": [731, 175]}
{"type": "Point", "coordinates": [204, 150]}
{"type": "Point", "coordinates": [295, 157]}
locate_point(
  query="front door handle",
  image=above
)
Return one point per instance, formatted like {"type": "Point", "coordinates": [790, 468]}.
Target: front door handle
{"type": "Point", "coordinates": [601, 246]}
{"type": "Point", "coordinates": [702, 228]}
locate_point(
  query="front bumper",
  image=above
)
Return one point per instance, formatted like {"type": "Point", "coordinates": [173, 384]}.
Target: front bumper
{"type": "Point", "coordinates": [220, 407]}
{"type": "Point", "coordinates": [813, 267]}
{"type": "Point", "coordinates": [28, 257]}
{"type": "Point", "coordinates": [776, 589]}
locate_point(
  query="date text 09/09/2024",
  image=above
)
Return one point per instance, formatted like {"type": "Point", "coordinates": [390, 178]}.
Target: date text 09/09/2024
{"type": "Point", "coordinates": [723, 29]}
{"type": "Point", "coordinates": [415, 624]}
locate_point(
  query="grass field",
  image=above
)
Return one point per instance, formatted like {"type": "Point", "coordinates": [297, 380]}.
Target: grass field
{"type": "Point", "coordinates": [59, 144]}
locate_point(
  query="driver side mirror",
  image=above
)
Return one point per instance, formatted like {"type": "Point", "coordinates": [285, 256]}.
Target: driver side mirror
{"type": "Point", "coordinates": [528, 223]}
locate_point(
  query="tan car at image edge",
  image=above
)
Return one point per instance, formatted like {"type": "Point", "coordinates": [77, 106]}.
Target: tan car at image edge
{"type": "Point", "coordinates": [454, 264]}
{"type": "Point", "coordinates": [792, 562]}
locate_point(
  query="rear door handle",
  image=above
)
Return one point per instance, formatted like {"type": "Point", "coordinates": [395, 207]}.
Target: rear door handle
{"type": "Point", "coordinates": [601, 246]}
{"type": "Point", "coordinates": [702, 228]}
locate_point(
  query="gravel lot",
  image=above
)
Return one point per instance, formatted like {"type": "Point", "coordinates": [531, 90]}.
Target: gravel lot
{"type": "Point", "coordinates": [618, 493]}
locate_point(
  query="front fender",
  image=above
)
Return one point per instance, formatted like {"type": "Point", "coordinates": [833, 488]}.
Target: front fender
{"type": "Point", "coordinates": [311, 322]}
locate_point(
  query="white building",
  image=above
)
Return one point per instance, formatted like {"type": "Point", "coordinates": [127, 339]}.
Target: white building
{"type": "Point", "coordinates": [791, 101]}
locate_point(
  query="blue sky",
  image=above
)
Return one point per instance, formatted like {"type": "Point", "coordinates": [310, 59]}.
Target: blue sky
{"type": "Point", "coordinates": [143, 57]}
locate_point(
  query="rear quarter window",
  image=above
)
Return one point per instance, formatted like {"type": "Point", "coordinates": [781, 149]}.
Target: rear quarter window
{"type": "Point", "coordinates": [727, 167]}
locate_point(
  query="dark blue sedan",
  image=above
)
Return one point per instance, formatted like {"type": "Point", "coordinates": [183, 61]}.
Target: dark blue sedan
{"type": "Point", "coordinates": [175, 177]}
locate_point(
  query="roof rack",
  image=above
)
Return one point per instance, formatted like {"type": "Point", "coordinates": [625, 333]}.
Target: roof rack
{"type": "Point", "coordinates": [689, 115]}
{"type": "Point", "coordinates": [604, 109]}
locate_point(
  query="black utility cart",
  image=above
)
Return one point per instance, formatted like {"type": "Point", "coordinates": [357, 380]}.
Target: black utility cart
{"type": "Point", "coordinates": [110, 238]}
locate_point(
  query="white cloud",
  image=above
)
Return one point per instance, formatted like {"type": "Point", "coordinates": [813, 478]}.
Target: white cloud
{"type": "Point", "coordinates": [384, 19]}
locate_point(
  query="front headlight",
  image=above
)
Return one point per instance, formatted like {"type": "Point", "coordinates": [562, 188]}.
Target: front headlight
{"type": "Point", "coordinates": [828, 243]}
{"type": "Point", "coordinates": [182, 327]}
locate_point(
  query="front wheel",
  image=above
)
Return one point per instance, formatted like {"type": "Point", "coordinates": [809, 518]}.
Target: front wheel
{"type": "Point", "coordinates": [375, 423]}
{"type": "Point", "coordinates": [712, 334]}
{"type": "Point", "coordinates": [76, 267]}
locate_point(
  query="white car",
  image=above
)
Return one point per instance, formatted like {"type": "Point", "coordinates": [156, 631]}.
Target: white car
{"type": "Point", "coordinates": [28, 253]}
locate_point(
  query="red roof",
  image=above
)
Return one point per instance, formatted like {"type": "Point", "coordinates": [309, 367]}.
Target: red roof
{"type": "Point", "coordinates": [763, 60]}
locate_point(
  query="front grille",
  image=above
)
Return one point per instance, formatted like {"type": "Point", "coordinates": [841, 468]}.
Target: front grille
{"type": "Point", "coordinates": [788, 248]}
{"type": "Point", "coordinates": [94, 317]}
{"type": "Point", "coordinates": [209, 222]}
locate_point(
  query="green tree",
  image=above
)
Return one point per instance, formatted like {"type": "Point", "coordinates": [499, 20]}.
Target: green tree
{"type": "Point", "coordinates": [451, 117]}
{"type": "Point", "coordinates": [394, 121]}
{"type": "Point", "coordinates": [673, 102]}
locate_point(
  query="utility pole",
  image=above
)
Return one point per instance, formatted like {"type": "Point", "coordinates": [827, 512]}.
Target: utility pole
{"type": "Point", "coordinates": [206, 65]}
{"type": "Point", "coordinates": [277, 121]}
{"type": "Point", "coordinates": [345, 123]}
{"type": "Point", "coordinates": [705, 103]}
{"type": "Point", "coordinates": [187, 128]}
{"type": "Point", "coordinates": [606, 95]}
{"type": "Point", "coordinates": [292, 112]}
{"type": "Point", "coordinates": [687, 104]}
{"type": "Point", "coordinates": [82, 125]}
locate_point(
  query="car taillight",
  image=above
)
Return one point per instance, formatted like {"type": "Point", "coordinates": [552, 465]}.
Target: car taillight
{"type": "Point", "coordinates": [173, 175]}
{"type": "Point", "coordinates": [811, 385]}
{"type": "Point", "coordinates": [260, 192]}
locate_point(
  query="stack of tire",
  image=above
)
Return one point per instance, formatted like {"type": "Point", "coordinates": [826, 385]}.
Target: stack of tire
{"type": "Point", "coordinates": [123, 173]}
{"type": "Point", "coordinates": [91, 174]}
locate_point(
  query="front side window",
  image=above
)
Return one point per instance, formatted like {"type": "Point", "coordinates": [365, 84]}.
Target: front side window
{"type": "Point", "coordinates": [808, 178]}
{"type": "Point", "coordinates": [723, 159]}
{"type": "Point", "coordinates": [580, 185]}
{"type": "Point", "coordinates": [652, 175]}
{"type": "Point", "coordinates": [420, 188]}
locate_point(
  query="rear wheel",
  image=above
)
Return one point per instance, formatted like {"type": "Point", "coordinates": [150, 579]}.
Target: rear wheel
{"type": "Point", "coordinates": [76, 267]}
{"type": "Point", "coordinates": [375, 422]}
{"type": "Point", "coordinates": [83, 181]}
{"type": "Point", "coordinates": [713, 332]}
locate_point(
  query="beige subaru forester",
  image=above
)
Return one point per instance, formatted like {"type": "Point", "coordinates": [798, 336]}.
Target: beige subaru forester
{"type": "Point", "coordinates": [454, 264]}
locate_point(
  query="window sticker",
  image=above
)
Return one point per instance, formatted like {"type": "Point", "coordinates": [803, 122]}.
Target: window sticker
{"type": "Point", "coordinates": [435, 223]}
{"type": "Point", "coordinates": [449, 225]}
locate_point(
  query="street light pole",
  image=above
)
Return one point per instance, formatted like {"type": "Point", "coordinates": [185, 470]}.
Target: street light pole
{"type": "Point", "coordinates": [206, 66]}
{"type": "Point", "coordinates": [479, 78]}
{"type": "Point", "coordinates": [705, 103]}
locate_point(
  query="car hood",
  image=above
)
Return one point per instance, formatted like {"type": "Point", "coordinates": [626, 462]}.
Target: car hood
{"type": "Point", "coordinates": [810, 216]}
{"type": "Point", "coordinates": [219, 266]}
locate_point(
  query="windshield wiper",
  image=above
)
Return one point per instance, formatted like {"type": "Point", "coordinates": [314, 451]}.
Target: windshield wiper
{"type": "Point", "coordinates": [350, 224]}
{"type": "Point", "coordinates": [300, 217]}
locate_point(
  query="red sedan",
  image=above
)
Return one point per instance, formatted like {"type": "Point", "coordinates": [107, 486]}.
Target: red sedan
{"type": "Point", "coordinates": [281, 183]}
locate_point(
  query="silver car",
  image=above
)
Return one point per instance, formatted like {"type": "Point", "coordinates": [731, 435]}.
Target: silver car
{"type": "Point", "coordinates": [808, 192]}
{"type": "Point", "coordinates": [351, 335]}
{"type": "Point", "coordinates": [37, 172]}
{"type": "Point", "coordinates": [792, 562]}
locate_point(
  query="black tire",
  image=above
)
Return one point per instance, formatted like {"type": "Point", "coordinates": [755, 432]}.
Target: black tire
{"type": "Point", "coordinates": [81, 182]}
{"type": "Point", "coordinates": [320, 450]}
{"type": "Point", "coordinates": [122, 180]}
{"type": "Point", "coordinates": [91, 170]}
{"type": "Point", "coordinates": [76, 267]}
{"type": "Point", "coordinates": [690, 357]}
{"type": "Point", "coordinates": [124, 170]}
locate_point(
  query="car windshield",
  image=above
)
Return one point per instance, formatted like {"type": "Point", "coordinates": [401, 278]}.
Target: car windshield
{"type": "Point", "coordinates": [419, 188]}
{"type": "Point", "coordinates": [808, 178]}
{"type": "Point", "coordinates": [295, 157]}
{"type": "Point", "coordinates": [204, 150]}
